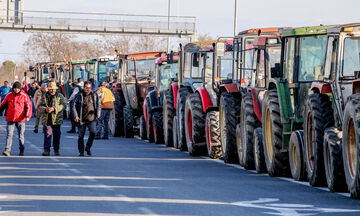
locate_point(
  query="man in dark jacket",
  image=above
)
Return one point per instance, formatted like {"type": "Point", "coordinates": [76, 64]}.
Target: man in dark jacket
{"type": "Point", "coordinates": [51, 106]}
{"type": "Point", "coordinates": [86, 110]}
{"type": "Point", "coordinates": [19, 110]}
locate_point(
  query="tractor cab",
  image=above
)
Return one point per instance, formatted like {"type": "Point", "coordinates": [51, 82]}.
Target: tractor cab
{"type": "Point", "coordinates": [42, 72]}
{"type": "Point", "coordinates": [81, 69]}
{"type": "Point", "coordinates": [98, 68]}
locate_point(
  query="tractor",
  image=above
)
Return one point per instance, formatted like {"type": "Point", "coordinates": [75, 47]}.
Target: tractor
{"type": "Point", "coordinates": [135, 80]}
{"type": "Point", "coordinates": [99, 69]}
{"type": "Point", "coordinates": [266, 59]}
{"type": "Point", "coordinates": [302, 56]}
{"type": "Point", "coordinates": [151, 122]}
{"type": "Point", "coordinates": [330, 127]}
{"type": "Point", "coordinates": [233, 87]}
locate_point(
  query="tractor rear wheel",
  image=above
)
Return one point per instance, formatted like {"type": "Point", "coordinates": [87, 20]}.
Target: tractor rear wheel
{"type": "Point", "coordinates": [116, 123]}
{"type": "Point", "coordinates": [180, 113]}
{"type": "Point", "coordinates": [248, 123]}
{"type": "Point", "coordinates": [212, 131]}
{"type": "Point", "coordinates": [149, 122]}
{"type": "Point", "coordinates": [259, 158]}
{"type": "Point", "coordinates": [168, 115]}
{"type": "Point", "coordinates": [277, 161]}
{"type": "Point", "coordinates": [195, 125]}
{"type": "Point", "coordinates": [128, 122]}
{"type": "Point", "coordinates": [175, 132]}
{"type": "Point", "coordinates": [157, 123]}
{"type": "Point", "coordinates": [351, 145]}
{"type": "Point", "coordinates": [333, 161]}
{"type": "Point", "coordinates": [296, 159]}
{"type": "Point", "coordinates": [229, 113]}
{"type": "Point", "coordinates": [143, 135]}
{"type": "Point", "coordinates": [318, 116]}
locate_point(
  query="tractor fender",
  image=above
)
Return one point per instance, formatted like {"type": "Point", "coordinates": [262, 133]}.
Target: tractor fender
{"type": "Point", "coordinates": [144, 109]}
{"type": "Point", "coordinates": [356, 86]}
{"type": "Point", "coordinates": [231, 87]}
{"type": "Point", "coordinates": [174, 89]}
{"type": "Point", "coordinates": [320, 87]}
{"type": "Point", "coordinates": [257, 105]}
{"type": "Point", "coordinates": [282, 87]}
{"type": "Point", "coordinates": [205, 99]}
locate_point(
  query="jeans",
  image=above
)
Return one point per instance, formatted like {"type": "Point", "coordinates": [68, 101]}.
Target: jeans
{"type": "Point", "coordinates": [82, 129]}
{"type": "Point", "coordinates": [38, 117]}
{"type": "Point", "coordinates": [103, 122]}
{"type": "Point", "coordinates": [52, 131]}
{"type": "Point", "coordinates": [10, 131]}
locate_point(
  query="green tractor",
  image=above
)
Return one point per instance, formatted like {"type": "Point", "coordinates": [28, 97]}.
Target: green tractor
{"type": "Point", "coordinates": [330, 128]}
{"type": "Point", "coordinates": [303, 54]}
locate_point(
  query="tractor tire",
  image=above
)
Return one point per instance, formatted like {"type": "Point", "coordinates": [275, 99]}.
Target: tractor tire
{"type": "Point", "coordinates": [259, 158]}
{"type": "Point", "coordinates": [180, 113]}
{"type": "Point", "coordinates": [143, 134]}
{"type": "Point", "coordinates": [351, 145]}
{"type": "Point", "coordinates": [318, 116]}
{"type": "Point", "coordinates": [333, 161]}
{"type": "Point", "coordinates": [168, 115]}
{"type": "Point", "coordinates": [157, 123]}
{"type": "Point", "coordinates": [175, 132]}
{"type": "Point", "coordinates": [277, 161]}
{"type": "Point", "coordinates": [116, 123]}
{"type": "Point", "coordinates": [296, 159]}
{"type": "Point", "coordinates": [149, 122]}
{"type": "Point", "coordinates": [128, 122]}
{"type": "Point", "coordinates": [229, 113]}
{"type": "Point", "coordinates": [212, 131]}
{"type": "Point", "coordinates": [195, 125]}
{"type": "Point", "coordinates": [248, 123]}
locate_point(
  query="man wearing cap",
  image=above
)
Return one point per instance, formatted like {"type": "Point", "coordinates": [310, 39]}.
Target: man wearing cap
{"type": "Point", "coordinates": [107, 104]}
{"type": "Point", "coordinates": [19, 110]}
{"type": "Point", "coordinates": [52, 105]}
{"type": "Point", "coordinates": [37, 98]}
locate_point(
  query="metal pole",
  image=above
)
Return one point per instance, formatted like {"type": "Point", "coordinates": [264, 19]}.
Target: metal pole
{"type": "Point", "coordinates": [168, 39]}
{"type": "Point", "coordinates": [235, 18]}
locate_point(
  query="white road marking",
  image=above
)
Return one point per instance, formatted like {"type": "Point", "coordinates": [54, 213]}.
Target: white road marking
{"type": "Point", "coordinates": [147, 211]}
{"type": "Point", "coordinates": [89, 178]}
{"type": "Point", "coordinates": [125, 198]}
{"type": "Point", "coordinates": [54, 159]}
{"type": "Point", "coordinates": [75, 171]}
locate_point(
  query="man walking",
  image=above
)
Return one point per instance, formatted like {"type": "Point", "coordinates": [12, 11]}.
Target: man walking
{"type": "Point", "coordinates": [37, 98]}
{"type": "Point", "coordinates": [107, 104]}
{"type": "Point", "coordinates": [52, 105]}
{"type": "Point", "coordinates": [4, 90]}
{"type": "Point", "coordinates": [86, 109]}
{"type": "Point", "coordinates": [19, 110]}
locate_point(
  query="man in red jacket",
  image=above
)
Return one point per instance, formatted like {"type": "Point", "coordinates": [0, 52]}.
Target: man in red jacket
{"type": "Point", "coordinates": [19, 110]}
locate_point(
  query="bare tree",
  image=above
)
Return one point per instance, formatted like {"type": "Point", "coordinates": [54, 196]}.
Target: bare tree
{"type": "Point", "coordinates": [205, 37]}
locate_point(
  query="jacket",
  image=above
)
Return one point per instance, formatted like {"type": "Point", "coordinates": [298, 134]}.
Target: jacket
{"type": "Point", "coordinates": [106, 97]}
{"type": "Point", "coordinates": [77, 105]}
{"type": "Point", "coordinates": [18, 106]}
{"type": "Point", "coordinates": [37, 97]}
{"type": "Point", "coordinates": [58, 103]}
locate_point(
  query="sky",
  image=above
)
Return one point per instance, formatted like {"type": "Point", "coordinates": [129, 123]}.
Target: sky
{"type": "Point", "coordinates": [214, 17]}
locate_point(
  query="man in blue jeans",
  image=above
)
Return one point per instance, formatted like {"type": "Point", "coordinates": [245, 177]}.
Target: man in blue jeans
{"type": "Point", "coordinates": [19, 110]}
{"type": "Point", "coordinates": [86, 110]}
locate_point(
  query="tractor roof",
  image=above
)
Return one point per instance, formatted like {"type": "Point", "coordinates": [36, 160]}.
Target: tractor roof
{"type": "Point", "coordinates": [256, 31]}
{"type": "Point", "coordinates": [81, 62]}
{"type": "Point", "coordinates": [266, 40]}
{"type": "Point", "coordinates": [164, 59]}
{"type": "Point", "coordinates": [140, 56]}
{"type": "Point", "coordinates": [314, 30]}
{"type": "Point", "coordinates": [351, 27]}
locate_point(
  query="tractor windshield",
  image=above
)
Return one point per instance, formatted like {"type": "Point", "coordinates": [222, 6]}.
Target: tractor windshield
{"type": "Point", "coordinates": [102, 72]}
{"type": "Point", "coordinates": [312, 55]}
{"type": "Point", "coordinates": [167, 72]}
{"type": "Point", "coordinates": [145, 68]}
{"type": "Point", "coordinates": [274, 56]}
{"type": "Point", "coordinates": [78, 70]}
{"type": "Point", "coordinates": [351, 56]}
{"type": "Point", "coordinates": [91, 70]}
{"type": "Point", "coordinates": [226, 66]}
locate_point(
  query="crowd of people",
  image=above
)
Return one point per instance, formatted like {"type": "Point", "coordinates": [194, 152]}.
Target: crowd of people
{"type": "Point", "coordinates": [86, 105]}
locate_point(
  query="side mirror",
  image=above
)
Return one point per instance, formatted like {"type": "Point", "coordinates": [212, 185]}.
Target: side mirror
{"type": "Point", "coordinates": [275, 71]}
{"type": "Point", "coordinates": [220, 49]}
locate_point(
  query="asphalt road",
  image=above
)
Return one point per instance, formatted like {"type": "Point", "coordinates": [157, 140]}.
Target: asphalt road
{"type": "Point", "coordinates": [133, 177]}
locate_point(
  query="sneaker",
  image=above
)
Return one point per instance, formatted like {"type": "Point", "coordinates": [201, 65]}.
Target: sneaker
{"type": "Point", "coordinates": [21, 153]}
{"type": "Point", "coordinates": [88, 152]}
{"type": "Point", "coordinates": [6, 153]}
{"type": "Point", "coordinates": [71, 131]}
{"type": "Point", "coordinates": [36, 130]}
{"type": "Point", "coordinates": [57, 153]}
{"type": "Point", "coordinates": [81, 154]}
{"type": "Point", "coordinates": [46, 153]}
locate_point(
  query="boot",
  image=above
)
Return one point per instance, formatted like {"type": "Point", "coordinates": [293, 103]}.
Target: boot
{"type": "Point", "coordinates": [57, 153]}
{"type": "Point", "coordinates": [88, 152]}
{"type": "Point", "coordinates": [97, 136]}
{"type": "Point", "coordinates": [46, 153]}
{"type": "Point", "coordinates": [71, 131]}
{"type": "Point", "coordinates": [21, 153]}
{"type": "Point", "coordinates": [36, 130]}
{"type": "Point", "coordinates": [6, 153]}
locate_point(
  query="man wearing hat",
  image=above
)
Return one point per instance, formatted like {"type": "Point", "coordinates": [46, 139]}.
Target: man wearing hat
{"type": "Point", "coordinates": [19, 110]}
{"type": "Point", "coordinates": [52, 105]}
{"type": "Point", "coordinates": [37, 97]}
